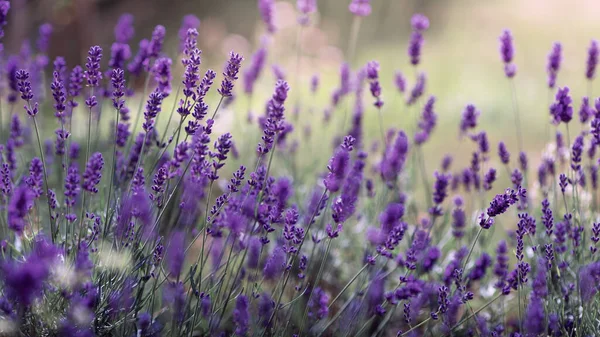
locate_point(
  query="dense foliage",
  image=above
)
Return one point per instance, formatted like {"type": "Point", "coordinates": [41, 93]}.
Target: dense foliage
{"type": "Point", "coordinates": [154, 229]}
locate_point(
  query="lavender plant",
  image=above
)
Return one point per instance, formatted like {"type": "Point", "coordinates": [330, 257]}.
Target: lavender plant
{"type": "Point", "coordinates": [167, 230]}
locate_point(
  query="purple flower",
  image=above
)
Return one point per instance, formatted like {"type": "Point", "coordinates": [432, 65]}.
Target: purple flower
{"type": "Point", "coordinates": [373, 76]}
{"type": "Point", "coordinates": [72, 188]}
{"type": "Point", "coordinates": [338, 165]}
{"type": "Point", "coordinates": [93, 173]}
{"type": "Point", "coordinates": [440, 192]}
{"type": "Point", "coordinates": [576, 152]}
{"type": "Point", "coordinates": [395, 158]}
{"type": "Point", "coordinates": [156, 42]}
{"type": "Point", "coordinates": [400, 81]}
{"type": "Point", "coordinates": [305, 7]}
{"type": "Point", "coordinates": [427, 123]}
{"type": "Point", "coordinates": [502, 202]}
{"type": "Point", "coordinates": [257, 63]}
{"type": "Point", "coordinates": [534, 317]}
{"type": "Point", "coordinates": [153, 107]}
{"type": "Point", "coordinates": [489, 178]}
{"type": "Point", "coordinates": [230, 74]}
{"type": "Point", "coordinates": [360, 7]}
{"type": "Point", "coordinates": [419, 22]}
{"type": "Point", "coordinates": [414, 47]}
{"type": "Point", "coordinates": [418, 90]}
{"type": "Point", "coordinates": [124, 30]}
{"type": "Point", "coordinates": [592, 60]}
{"type": "Point", "coordinates": [267, 9]}
{"type": "Point", "coordinates": [585, 111]}
{"type": "Point", "coordinates": [275, 264]}
{"type": "Point", "coordinates": [274, 124]}
{"type": "Point", "coordinates": [162, 75]}
{"type": "Point", "coordinates": [24, 85]}
{"type": "Point", "coordinates": [501, 266]}
{"type": "Point", "coordinates": [458, 218]}
{"type": "Point", "coordinates": [506, 47]}
{"type": "Point", "coordinates": [24, 282]}
{"type": "Point", "coordinates": [561, 110]}
{"type": "Point", "coordinates": [189, 21]}
{"type": "Point", "coordinates": [93, 73]}
{"type": "Point", "coordinates": [136, 66]}
{"type": "Point", "coordinates": [75, 84]}
{"type": "Point", "coordinates": [176, 254]}
{"type": "Point", "coordinates": [443, 301]}
{"type": "Point", "coordinates": [469, 118]}
{"type": "Point", "coordinates": [554, 59]}
{"type": "Point", "coordinates": [4, 8]}
{"type": "Point", "coordinates": [43, 41]}
{"type": "Point", "coordinates": [241, 316]}
{"type": "Point", "coordinates": [36, 177]}
{"type": "Point", "coordinates": [18, 208]}
{"type": "Point", "coordinates": [481, 265]}
{"type": "Point", "coordinates": [503, 153]}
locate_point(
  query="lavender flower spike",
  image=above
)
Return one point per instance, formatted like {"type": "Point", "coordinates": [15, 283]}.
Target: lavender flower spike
{"type": "Point", "coordinates": [93, 73]}
{"type": "Point", "coordinates": [93, 173]}
{"type": "Point", "coordinates": [360, 7]}
{"type": "Point", "coordinates": [592, 60]}
{"type": "Point", "coordinates": [230, 74]}
{"type": "Point", "coordinates": [266, 9]}
{"type": "Point", "coordinates": [554, 59]}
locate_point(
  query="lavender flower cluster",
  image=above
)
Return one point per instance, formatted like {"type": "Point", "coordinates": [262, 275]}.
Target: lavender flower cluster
{"type": "Point", "coordinates": [158, 230]}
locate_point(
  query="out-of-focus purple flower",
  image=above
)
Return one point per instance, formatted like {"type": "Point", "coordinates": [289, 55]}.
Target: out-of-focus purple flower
{"type": "Point", "coordinates": [4, 8]}
{"type": "Point", "coordinates": [162, 75]}
{"type": "Point", "coordinates": [189, 21]}
{"type": "Point", "coordinates": [156, 42]}
{"type": "Point", "coordinates": [417, 90]}
{"type": "Point", "coordinates": [561, 110]}
{"type": "Point", "coordinates": [305, 7]}
{"type": "Point", "coordinates": [136, 66]}
{"type": "Point", "coordinates": [395, 158]}
{"type": "Point", "coordinates": [93, 173]}
{"type": "Point", "coordinates": [18, 208]}
{"type": "Point", "coordinates": [176, 253]}
{"type": "Point", "coordinates": [427, 123]}
{"type": "Point", "coordinates": [314, 83]}
{"type": "Point", "coordinates": [506, 47]}
{"type": "Point", "coordinates": [360, 7]}
{"type": "Point", "coordinates": [45, 32]}
{"type": "Point", "coordinates": [481, 265]}
{"type": "Point", "coordinates": [36, 177]}
{"type": "Point", "coordinates": [554, 59]}
{"type": "Point", "coordinates": [489, 178]}
{"type": "Point", "coordinates": [93, 73]}
{"type": "Point", "coordinates": [275, 264]}
{"type": "Point", "coordinates": [585, 110]}
{"type": "Point", "coordinates": [124, 30]}
{"type": "Point", "coordinates": [373, 76]}
{"type": "Point", "coordinates": [257, 63]}
{"type": "Point", "coordinates": [469, 118]}
{"type": "Point", "coordinates": [414, 47]}
{"type": "Point", "coordinates": [230, 74]}
{"type": "Point", "coordinates": [503, 153]}
{"type": "Point", "coordinates": [419, 22]}
{"type": "Point", "coordinates": [458, 218]}
{"type": "Point", "coordinates": [592, 60]}
{"type": "Point", "coordinates": [338, 165]}
{"type": "Point", "coordinates": [501, 266]}
{"type": "Point", "coordinates": [400, 81]}
{"type": "Point", "coordinates": [241, 316]}
{"type": "Point", "coordinates": [439, 192]}
{"type": "Point", "coordinates": [267, 13]}
{"type": "Point", "coordinates": [534, 317]}
{"type": "Point", "coordinates": [72, 188]}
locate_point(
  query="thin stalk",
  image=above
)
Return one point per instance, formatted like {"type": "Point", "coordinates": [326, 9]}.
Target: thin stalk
{"type": "Point", "coordinates": [316, 283]}
{"type": "Point", "coordinates": [139, 112]}
{"type": "Point", "coordinates": [354, 30]}
{"type": "Point", "coordinates": [108, 220]}
{"type": "Point", "coordinates": [517, 116]}
{"type": "Point", "coordinates": [37, 133]}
